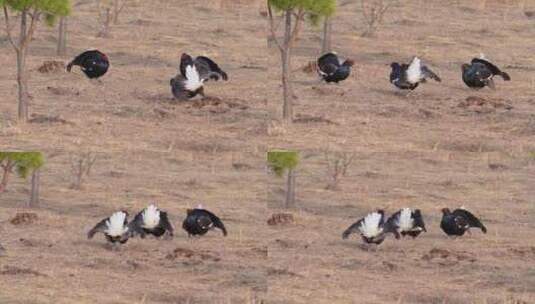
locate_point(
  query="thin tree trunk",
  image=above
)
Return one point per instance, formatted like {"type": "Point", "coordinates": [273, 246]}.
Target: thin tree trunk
{"type": "Point", "coordinates": [21, 69]}
{"type": "Point", "coordinates": [327, 30]}
{"type": "Point", "coordinates": [116, 11]}
{"type": "Point", "coordinates": [62, 37]}
{"type": "Point", "coordinates": [34, 196]}
{"type": "Point", "coordinates": [290, 189]}
{"type": "Point", "coordinates": [287, 111]}
{"type": "Point", "coordinates": [5, 177]}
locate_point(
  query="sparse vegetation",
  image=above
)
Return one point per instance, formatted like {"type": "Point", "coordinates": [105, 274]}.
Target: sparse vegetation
{"type": "Point", "coordinates": [294, 12]}
{"type": "Point", "coordinates": [337, 165]}
{"type": "Point", "coordinates": [81, 165]}
{"type": "Point", "coordinates": [31, 13]}
{"type": "Point", "coordinates": [373, 12]}
{"type": "Point", "coordinates": [108, 14]}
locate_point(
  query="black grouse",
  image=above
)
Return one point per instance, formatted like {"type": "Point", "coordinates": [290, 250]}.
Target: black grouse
{"type": "Point", "coordinates": [151, 220]}
{"type": "Point", "coordinates": [407, 222]}
{"type": "Point", "coordinates": [372, 228]}
{"type": "Point", "coordinates": [332, 68]}
{"type": "Point", "coordinates": [193, 74]}
{"type": "Point", "coordinates": [480, 72]}
{"type": "Point", "coordinates": [199, 221]}
{"type": "Point", "coordinates": [409, 76]}
{"type": "Point", "coordinates": [115, 228]}
{"type": "Point", "coordinates": [93, 63]}
{"type": "Point", "coordinates": [456, 223]}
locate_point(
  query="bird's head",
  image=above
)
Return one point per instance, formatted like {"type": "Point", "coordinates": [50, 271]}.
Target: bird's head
{"type": "Point", "coordinates": [184, 56]}
{"type": "Point", "coordinates": [446, 211]}
{"type": "Point", "coordinates": [465, 67]}
{"type": "Point", "coordinates": [395, 65]}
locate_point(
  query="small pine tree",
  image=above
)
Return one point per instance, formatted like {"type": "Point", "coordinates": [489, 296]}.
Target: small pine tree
{"type": "Point", "coordinates": [294, 12]}
{"type": "Point", "coordinates": [24, 164]}
{"type": "Point", "coordinates": [31, 11]}
{"type": "Point", "coordinates": [281, 161]}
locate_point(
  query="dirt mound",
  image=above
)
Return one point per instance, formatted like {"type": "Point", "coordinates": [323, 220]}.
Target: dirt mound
{"type": "Point", "coordinates": [484, 105]}
{"type": "Point", "coordinates": [446, 257]}
{"type": "Point", "coordinates": [52, 66]}
{"type": "Point", "coordinates": [24, 218]}
{"type": "Point", "coordinates": [14, 270]}
{"type": "Point", "coordinates": [216, 105]}
{"type": "Point", "coordinates": [63, 91]}
{"type": "Point", "coordinates": [38, 118]}
{"type": "Point", "coordinates": [184, 253]}
{"type": "Point", "coordinates": [281, 219]}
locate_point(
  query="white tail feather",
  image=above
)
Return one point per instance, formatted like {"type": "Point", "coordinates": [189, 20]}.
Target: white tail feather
{"type": "Point", "coordinates": [115, 223]}
{"type": "Point", "coordinates": [414, 72]}
{"type": "Point", "coordinates": [151, 217]}
{"type": "Point", "coordinates": [405, 221]}
{"type": "Point", "coordinates": [482, 56]}
{"type": "Point", "coordinates": [370, 225]}
{"type": "Point", "coordinates": [193, 80]}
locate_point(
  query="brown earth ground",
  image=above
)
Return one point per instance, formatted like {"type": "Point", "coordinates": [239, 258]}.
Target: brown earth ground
{"type": "Point", "coordinates": [428, 150]}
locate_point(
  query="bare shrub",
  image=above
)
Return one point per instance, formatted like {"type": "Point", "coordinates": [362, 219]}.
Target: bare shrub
{"type": "Point", "coordinates": [81, 165]}
{"type": "Point", "coordinates": [108, 14]}
{"type": "Point", "coordinates": [337, 165]}
{"type": "Point", "coordinates": [373, 12]}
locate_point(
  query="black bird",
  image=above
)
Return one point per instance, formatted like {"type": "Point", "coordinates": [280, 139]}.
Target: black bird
{"type": "Point", "coordinates": [115, 228]}
{"type": "Point", "coordinates": [459, 221]}
{"type": "Point", "coordinates": [332, 68]}
{"type": "Point", "coordinates": [372, 228]}
{"type": "Point", "coordinates": [93, 63]}
{"type": "Point", "coordinates": [151, 220]}
{"type": "Point", "coordinates": [188, 83]}
{"type": "Point", "coordinates": [407, 222]}
{"type": "Point", "coordinates": [480, 72]}
{"type": "Point", "coordinates": [409, 76]}
{"type": "Point", "coordinates": [199, 221]}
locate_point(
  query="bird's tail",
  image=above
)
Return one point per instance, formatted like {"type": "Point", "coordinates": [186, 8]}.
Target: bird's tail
{"type": "Point", "coordinates": [219, 224]}
{"type": "Point", "coordinates": [505, 76]}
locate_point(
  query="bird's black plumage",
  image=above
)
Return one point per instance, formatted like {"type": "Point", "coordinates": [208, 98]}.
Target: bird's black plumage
{"type": "Point", "coordinates": [93, 63]}
{"type": "Point", "coordinates": [114, 236]}
{"type": "Point", "coordinates": [200, 221]}
{"type": "Point", "coordinates": [459, 221]}
{"type": "Point", "coordinates": [409, 76]}
{"type": "Point", "coordinates": [143, 224]}
{"type": "Point", "coordinates": [480, 73]}
{"type": "Point", "coordinates": [413, 225]}
{"type": "Point", "coordinates": [189, 82]}
{"type": "Point", "coordinates": [333, 69]}
{"type": "Point", "coordinates": [379, 228]}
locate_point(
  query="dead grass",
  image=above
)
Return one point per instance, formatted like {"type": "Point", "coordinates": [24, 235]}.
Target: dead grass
{"type": "Point", "coordinates": [439, 147]}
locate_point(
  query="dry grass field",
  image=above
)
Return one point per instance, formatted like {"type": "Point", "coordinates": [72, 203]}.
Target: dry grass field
{"type": "Point", "coordinates": [432, 149]}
